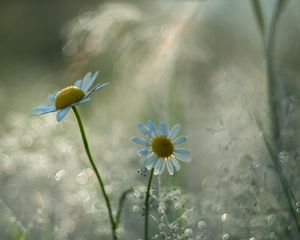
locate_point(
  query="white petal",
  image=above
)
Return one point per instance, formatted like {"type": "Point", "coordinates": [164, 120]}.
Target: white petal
{"type": "Point", "coordinates": [154, 163]}
{"type": "Point", "coordinates": [183, 151]}
{"type": "Point", "coordinates": [84, 100]}
{"type": "Point", "coordinates": [149, 161]}
{"type": "Point", "coordinates": [162, 167]}
{"type": "Point", "coordinates": [52, 97]}
{"type": "Point", "coordinates": [183, 158]}
{"type": "Point", "coordinates": [62, 113]}
{"type": "Point", "coordinates": [48, 108]}
{"type": "Point", "coordinates": [180, 140]}
{"type": "Point", "coordinates": [85, 80]}
{"type": "Point", "coordinates": [170, 167]}
{"type": "Point", "coordinates": [140, 141]}
{"type": "Point", "coordinates": [89, 82]}
{"type": "Point", "coordinates": [42, 113]}
{"type": "Point", "coordinates": [96, 88]}
{"type": "Point", "coordinates": [143, 129]}
{"type": "Point", "coordinates": [164, 129]}
{"type": "Point", "coordinates": [158, 166]}
{"type": "Point", "coordinates": [78, 83]}
{"type": "Point", "coordinates": [174, 131]}
{"type": "Point", "coordinates": [152, 127]}
{"type": "Point", "coordinates": [175, 163]}
{"type": "Point", "coordinates": [144, 152]}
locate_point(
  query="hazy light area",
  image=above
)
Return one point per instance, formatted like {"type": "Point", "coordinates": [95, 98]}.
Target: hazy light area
{"type": "Point", "coordinates": [198, 63]}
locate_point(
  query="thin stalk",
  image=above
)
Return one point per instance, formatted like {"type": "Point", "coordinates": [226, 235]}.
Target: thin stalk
{"type": "Point", "coordinates": [121, 205]}
{"type": "Point", "coordinates": [274, 87]}
{"type": "Point", "coordinates": [88, 152]}
{"type": "Point", "coordinates": [147, 204]}
{"type": "Point", "coordinates": [257, 9]}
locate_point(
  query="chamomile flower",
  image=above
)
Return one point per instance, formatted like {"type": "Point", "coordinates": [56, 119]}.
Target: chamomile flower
{"type": "Point", "coordinates": [161, 147]}
{"type": "Point", "coordinates": [68, 97]}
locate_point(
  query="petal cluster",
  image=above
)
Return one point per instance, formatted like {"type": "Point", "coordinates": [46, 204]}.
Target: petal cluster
{"type": "Point", "coordinates": [161, 147]}
{"type": "Point", "coordinates": [64, 100]}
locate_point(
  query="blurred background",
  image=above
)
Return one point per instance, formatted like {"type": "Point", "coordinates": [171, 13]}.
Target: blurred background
{"type": "Point", "coordinates": [199, 63]}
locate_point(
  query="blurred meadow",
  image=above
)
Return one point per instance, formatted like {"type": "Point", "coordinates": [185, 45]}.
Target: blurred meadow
{"type": "Point", "coordinates": [229, 78]}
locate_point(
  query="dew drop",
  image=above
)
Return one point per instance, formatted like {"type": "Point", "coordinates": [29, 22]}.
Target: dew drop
{"type": "Point", "coordinates": [59, 175]}
{"type": "Point", "coordinates": [88, 172]}
{"type": "Point", "coordinates": [163, 235]}
{"type": "Point", "coordinates": [284, 157]}
{"type": "Point", "coordinates": [273, 236]}
{"type": "Point", "coordinates": [136, 208]}
{"type": "Point", "coordinates": [26, 140]}
{"type": "Point", "coordinates": [161, 226]}
{"type": "Point", "coordinates": [188, 232]}
{"type": "Point", "coordinates": [226, 236]}
{"type": "Point", "coordinates": [225, 217]}
{"type": "Point", "coordinates": [82, 178]}
{"type": "Point", "coordinates": [271, 219]}
{"type": "Point", "coordinates": [5, 163]}
{"type": "Point", "coordinates": [202, 224]}
{"type": "Point", "coordinates": [177, 205]}
{"type": "Point", "coordinates": [120, 232]}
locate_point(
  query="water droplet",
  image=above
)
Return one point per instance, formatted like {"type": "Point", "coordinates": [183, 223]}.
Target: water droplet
{"type": "Point", "coordinates": [297, 204]}
{"type": "Point", "coordinates": [177, 205]}
{"type": "Point", "coordinates": [120, 232]}
{"type": "Point", "coordinates": [162, 209]}
{"type": "Point", "coordinates": [226, 236]}
{"type": "Point", "coordinates": [163, 235]}
{"type": "Point", "coordinates": [252, 238]}
{"type": "Point", "coordinates": [271, 219]}
{"type": "Point", "coordinates": [89, 172]}
{"type": "Point", "coordinates": [225, 217]}
{"type": "Point", "coordinates": [136, 208]}
{"type": "Point", "coordinates": [188, 232]}
{"type": "Point", "coordinates": [82, 178]}
{"type": "Point", "coordinates": [26, 140]}
{"type": "Point", "coordinates": [284, 156]}
{"type": "Point", "coordinates": [294, 98]}
{"type": "Point", "coordinates": [298, 210]}
{"type": "Point", "coordinates": [161, 226]}
{"type": "Point", "coordinates": [59, 175]}
{"type": "Point", "coordinates": [273, 236]}
{"type": "Point", "coordinates": [202, 224]}
{"type": "Point", "coordinates": [5, 163]}
{"type": "Point", "coordinates": [97, 205]}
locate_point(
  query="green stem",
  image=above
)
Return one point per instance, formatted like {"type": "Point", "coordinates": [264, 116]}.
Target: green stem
{"type": "Point", "coordinates": [87, 149]}
{"type": "Point", "coordinates": [147, 204]}
{"type": "Point", "coordinates": [257, 9]}
{"type": "Point", "coordinates": [274, 100]}
{"type": "Point", "coordinates": [273, 86]}
{"type": "Point", "coordinates": [121, 205]}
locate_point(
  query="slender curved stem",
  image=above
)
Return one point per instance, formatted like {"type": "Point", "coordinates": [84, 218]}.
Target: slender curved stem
{"type": "Point", "coordinates": [121, 204]}
{"type": "Point", "coordinates": [257, 9]}
{"type": "Point", "coordinates": [274, 86]}
{"type": "Point", "coordinates": [147, 204]}
{"type": "Point", "coordinates": [87, 149]}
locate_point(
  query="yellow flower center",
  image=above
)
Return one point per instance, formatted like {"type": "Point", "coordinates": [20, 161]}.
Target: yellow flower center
{"type": "Point", "coordinates": [162, 146]}
{"type": "Point", "coordinates": [68, 96]}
